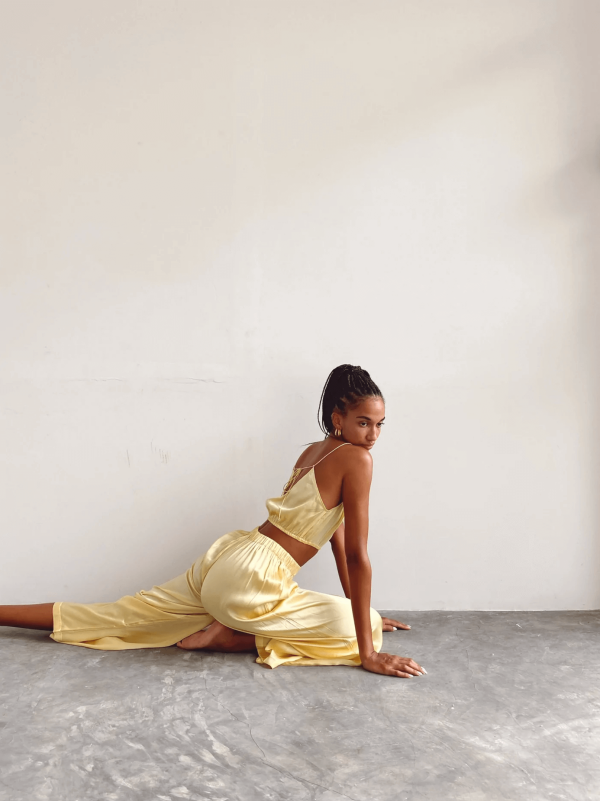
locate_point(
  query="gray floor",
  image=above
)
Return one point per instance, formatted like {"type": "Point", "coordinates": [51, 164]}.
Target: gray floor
{"type": "Point", "coordinates": [510, 709]}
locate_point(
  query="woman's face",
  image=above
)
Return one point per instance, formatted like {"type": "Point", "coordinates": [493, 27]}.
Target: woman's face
{"type": "Point", "coordinates": [362, 424]}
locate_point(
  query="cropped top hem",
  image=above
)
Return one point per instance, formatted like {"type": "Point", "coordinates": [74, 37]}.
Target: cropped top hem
{"type": "Point", "coordinates": [273, 519]}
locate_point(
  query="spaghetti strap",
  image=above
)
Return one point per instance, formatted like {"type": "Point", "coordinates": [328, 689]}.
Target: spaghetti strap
{"type": "Point", "coordinates": [326, 455]}
{"type": "Point", "coordinates": [297, 470]}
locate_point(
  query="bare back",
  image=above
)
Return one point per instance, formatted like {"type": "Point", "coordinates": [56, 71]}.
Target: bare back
{"type": "Point", "coordinates": [330, 469]}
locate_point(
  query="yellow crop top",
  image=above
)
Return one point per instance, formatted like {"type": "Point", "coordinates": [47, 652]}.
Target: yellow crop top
{"type": "Point", "coordinates": [300, 511]}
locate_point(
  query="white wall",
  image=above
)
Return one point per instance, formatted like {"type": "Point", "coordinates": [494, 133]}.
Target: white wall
{"type": "Point", "coordinates": [208, 205]}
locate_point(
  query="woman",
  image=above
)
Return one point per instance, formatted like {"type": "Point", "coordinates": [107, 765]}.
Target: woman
{"type": "Point", "coordinates": [241, 594]}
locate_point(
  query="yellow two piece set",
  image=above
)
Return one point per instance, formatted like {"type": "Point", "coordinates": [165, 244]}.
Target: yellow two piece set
{"type": "Point", "coordinates": [246, 581]}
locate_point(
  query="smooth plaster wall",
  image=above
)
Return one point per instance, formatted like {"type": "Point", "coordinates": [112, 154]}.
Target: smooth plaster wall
{"type": "Point", "coordinates": [208, 205]}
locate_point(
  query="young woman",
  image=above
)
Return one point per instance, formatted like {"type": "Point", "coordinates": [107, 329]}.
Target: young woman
{"type": "Point", "coordinates": [241, 594]}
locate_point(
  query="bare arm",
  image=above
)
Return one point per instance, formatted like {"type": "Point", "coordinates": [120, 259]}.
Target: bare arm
{"type": "Point", "coordinates": [339, 554]}
{"type": "Point", "coordinates": [355, 495]}
{"type": "Point", "coordinates": [338, 546]}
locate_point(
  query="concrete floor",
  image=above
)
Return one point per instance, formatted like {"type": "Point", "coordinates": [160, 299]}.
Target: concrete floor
{"type": "Point", "coordinates": [510, 709]}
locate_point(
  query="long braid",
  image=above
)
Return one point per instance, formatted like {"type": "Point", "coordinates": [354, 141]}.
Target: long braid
{"type": "Point", "coordinates": [346, 386]}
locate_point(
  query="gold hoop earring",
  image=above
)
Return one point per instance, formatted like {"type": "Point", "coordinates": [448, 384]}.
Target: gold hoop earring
{"type": "Point", "coordinates": [338, 433]}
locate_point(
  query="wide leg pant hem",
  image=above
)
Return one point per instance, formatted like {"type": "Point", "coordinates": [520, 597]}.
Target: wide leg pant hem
{"type": "Point", "coordinates": [82, 624]}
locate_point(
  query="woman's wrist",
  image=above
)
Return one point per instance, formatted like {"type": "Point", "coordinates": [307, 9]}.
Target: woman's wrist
{"type": "Point", "coordinates": [366, 647]}
{"type": "Point", "coordinates": [366, 655]}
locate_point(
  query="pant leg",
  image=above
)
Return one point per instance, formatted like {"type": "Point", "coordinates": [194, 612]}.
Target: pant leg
{"type": "Point", "coordinates": [251, 588]}
{"type": "Point", "coordinates": [149, 619]}
{"type": "Point", "coordinates": [312, 628]}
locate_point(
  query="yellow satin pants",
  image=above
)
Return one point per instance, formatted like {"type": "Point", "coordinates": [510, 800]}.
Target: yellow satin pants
{"type": "Point", "coordinates": [246, 581]}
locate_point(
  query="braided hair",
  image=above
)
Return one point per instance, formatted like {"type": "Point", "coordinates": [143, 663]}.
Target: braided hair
{"type": "Point", "coordinates": [346, 387]}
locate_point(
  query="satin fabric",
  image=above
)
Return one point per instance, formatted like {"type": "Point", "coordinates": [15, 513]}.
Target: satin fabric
{"type": "Point", "coordinates": [245, 581]}
{"type": "Point", "coordinates": [301, 513]}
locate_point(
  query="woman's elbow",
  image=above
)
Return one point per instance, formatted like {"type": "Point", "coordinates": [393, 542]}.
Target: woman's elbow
{"type": "Point", "coordinates": [357, 559]}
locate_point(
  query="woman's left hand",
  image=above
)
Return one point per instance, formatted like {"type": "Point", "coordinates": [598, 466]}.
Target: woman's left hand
{"type": "Point", "coordinates": [392, 625]}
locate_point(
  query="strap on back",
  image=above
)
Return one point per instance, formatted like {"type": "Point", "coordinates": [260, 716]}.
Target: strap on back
{"type": "Point", "coordinates": [326, 455]}
{"type": "Point", "coordinates": [297, 470]}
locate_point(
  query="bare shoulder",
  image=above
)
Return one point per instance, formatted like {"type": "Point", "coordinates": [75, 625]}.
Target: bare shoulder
{"type": "Point", "coordinates": [346, 457]}
{"type": "Point", "coordinates": [357, 475]}
{"type": "Point", "coordinates": [357, 460]}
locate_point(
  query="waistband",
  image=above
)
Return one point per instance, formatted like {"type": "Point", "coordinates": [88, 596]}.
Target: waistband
{"type": "Point", "coordinates": [284, 557]}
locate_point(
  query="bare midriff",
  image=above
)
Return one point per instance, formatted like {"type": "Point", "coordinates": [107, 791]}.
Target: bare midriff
{"type": "Point", "coordinates": [299, 551]}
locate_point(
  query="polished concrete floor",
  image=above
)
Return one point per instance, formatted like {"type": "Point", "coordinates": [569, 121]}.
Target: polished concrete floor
{"type": "Point", "coordinates": [510, 709]}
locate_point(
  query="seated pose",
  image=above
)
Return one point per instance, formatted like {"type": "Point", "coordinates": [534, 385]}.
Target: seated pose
{"type": "Point", "coordinates": [241, 594]}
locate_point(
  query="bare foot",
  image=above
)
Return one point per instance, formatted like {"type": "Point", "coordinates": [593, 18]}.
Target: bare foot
{"type": "Point", "coordinates": [218, 637]}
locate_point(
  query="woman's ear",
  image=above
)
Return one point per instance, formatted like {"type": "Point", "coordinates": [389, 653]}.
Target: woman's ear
{"type": "Point", "coordinates": [336, 419]}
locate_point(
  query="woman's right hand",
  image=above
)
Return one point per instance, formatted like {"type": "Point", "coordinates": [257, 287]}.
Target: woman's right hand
{"type": "Point", "coordinates": [392, 665]}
